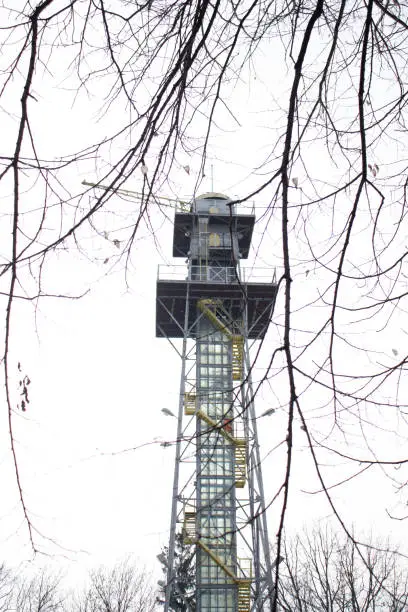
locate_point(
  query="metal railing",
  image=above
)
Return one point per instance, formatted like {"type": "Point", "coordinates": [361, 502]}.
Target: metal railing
{"type": "Point", "coordinates": [213, 274]}
{"type": "Point", "coordinates": [244, 569]}
{"type": "Point", "coordinates": [242, 209]}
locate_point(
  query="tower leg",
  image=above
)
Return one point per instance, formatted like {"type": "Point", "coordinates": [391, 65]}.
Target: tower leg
{"type": "Point", "coordinates": [264, 590]}
{"type": "Point", "coordinates": [171, 576]}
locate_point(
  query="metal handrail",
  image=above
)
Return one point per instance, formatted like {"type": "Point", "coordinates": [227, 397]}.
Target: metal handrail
{"type": "Point", "coordinates": [242, 210]}
{"type": "Point", "coordinates": [214, 274]}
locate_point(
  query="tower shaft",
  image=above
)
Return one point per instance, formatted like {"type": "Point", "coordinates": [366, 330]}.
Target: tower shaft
{"type": "Point", "coordinates": [220, 504]}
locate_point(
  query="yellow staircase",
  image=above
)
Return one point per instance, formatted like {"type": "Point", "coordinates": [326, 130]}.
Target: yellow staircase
{"type": "Point", "coordinates": [243, 584]}
{"type": "Point", "coordinates": [190, 403]}
{"type": "Point", "coordinates": [240, 446]}
{"type": "Point", "coordinates": [237, 357]}
{"type": "Point", "coordinates": [240, 464]}
{"type": "Point", "coordinates": [189, 528]}
{"type": "Point", "coordinates": [209, 309]}
{"type": "Point", "coordinates": [217, 560]}
{"type": "Point", "coordinates": [244, 595]}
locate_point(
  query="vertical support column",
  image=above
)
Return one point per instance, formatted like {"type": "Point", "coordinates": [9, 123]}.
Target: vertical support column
{"type": "Point", "coordinates": [174, 503]}
{"type": "Point", "coordinates": [264, 586]}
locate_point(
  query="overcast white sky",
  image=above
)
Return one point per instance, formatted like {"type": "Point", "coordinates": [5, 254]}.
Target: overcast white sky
{"type": "Point", "coordinates": [99, 377]}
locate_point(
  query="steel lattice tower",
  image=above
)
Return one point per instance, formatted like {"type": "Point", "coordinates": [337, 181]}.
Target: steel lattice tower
{"type": "Point", "coordinates": [218, 497]}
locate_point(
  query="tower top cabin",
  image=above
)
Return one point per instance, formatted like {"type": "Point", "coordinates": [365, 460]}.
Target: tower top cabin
{"type": "Point", "coordinates": [212, 236]}
{"type": "Point", "coordinates": [210, 228]}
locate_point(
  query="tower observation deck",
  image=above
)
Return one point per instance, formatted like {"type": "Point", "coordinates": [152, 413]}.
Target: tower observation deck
{"type": "Point", "coordinates": [218, 500]}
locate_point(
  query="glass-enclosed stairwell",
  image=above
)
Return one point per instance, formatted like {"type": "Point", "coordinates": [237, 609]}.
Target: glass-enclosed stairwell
{"type": "Point", "coordinates": [221, 463]}
{"type": "Point", "coordinates": [215, 472]}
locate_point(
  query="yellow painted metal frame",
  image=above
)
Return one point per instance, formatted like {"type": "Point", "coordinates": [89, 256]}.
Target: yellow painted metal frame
{"type": "Point", "coordinates": [206, 306]}
{"type": "Point", "coordinates": [190, 536]}
{"type": "Point", "coordinates": [240, 444]}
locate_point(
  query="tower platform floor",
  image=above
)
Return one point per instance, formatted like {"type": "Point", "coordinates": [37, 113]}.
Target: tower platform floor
{"type": "Point", "coordinates": [172, 298]}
